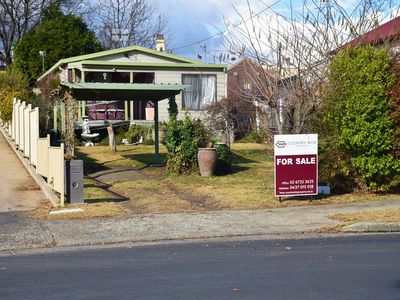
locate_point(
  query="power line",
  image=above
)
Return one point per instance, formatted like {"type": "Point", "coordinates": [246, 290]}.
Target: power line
{"type": "Point", "coordinates": [222, 32]}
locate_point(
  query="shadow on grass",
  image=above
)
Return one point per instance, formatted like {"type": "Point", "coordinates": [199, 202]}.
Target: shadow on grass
{"type": "Point", "coordinates": [106, 188]}
{"type": "Point", "coordinates": [100, 200]}
{"type": "Point", "coordinates": [147, 158]}
{"type": "Point", "coordinates": [239, 159]}
{"type": "Point", "coordinates": [227, 170]}
{"type": "Point", "coordinates": [223, 168]}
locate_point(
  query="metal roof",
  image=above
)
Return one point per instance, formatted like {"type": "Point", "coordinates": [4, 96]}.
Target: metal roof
{"type": "Point", "coordinates": [179, 59]}
{"type": "Point", "coordinates": [123, 91]}
{"type": "Point", "coordinates": [388, 31]}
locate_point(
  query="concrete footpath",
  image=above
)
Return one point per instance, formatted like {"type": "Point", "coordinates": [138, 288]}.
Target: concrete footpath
{"type": "Point", "coordinates": [20, 232]}
{"type": "Point", "coordinates": [18, 191]}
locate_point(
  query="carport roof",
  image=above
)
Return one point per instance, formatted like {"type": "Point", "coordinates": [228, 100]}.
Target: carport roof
{"type": "Point", "coordinates": [123, 91]}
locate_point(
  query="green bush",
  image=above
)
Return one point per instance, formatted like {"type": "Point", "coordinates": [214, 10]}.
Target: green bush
{"type": "Point", "coordinates": [119, 135]}
{"type": "Point", "coordinates": [255, 137]}
{"type": "Point", "coordinates": [184, 137]}
{"type": "Point", "coordinates": [13, 84]}
{"type": "Point", "coordinates": [135, 132]}
{"type": "Point", "coordinates": [358, 130]}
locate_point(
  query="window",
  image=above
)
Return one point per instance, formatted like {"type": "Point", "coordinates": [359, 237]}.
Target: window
{"type": "Point", "coordinates": [202, 90]}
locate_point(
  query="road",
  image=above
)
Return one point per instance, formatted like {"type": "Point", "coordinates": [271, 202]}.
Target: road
{"type": "Point", "coordinates": [357, 267]}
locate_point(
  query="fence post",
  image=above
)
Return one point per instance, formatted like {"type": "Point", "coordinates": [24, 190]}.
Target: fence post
{"type": "Point", "coordinates": [17, 122]}
{"type": "Point", "coordinates": [21, 126]}
{"type": "Point", "coordinates": [13, 120]}
{"type": "Point", "coordinates": [34, 134]}
{"type": "Point", "coordinates": [27, 136]}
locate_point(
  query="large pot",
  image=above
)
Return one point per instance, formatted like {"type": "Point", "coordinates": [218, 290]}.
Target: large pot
{"type": "Point", "coordinates": [162, 134]}
{"type": "Point", "coordinates": [207, 159]}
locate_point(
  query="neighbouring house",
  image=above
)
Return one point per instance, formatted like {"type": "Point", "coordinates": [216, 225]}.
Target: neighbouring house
{"type": "Point", "coordinates": [127, 83]}
{"type": "Point", "coordinates": [385, 35]}
{"type": "Point", "coordinates": [249, 83]}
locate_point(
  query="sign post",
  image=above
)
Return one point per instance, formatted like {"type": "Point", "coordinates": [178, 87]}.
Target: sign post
{"type": "Point", "coordinates": [296, 165]}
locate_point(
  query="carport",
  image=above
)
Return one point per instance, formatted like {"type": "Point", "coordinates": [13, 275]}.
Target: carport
{"type": "Point", "coordinates": [128, 92]}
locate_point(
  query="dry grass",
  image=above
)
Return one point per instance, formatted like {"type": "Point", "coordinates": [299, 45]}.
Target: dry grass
{"type": "Point", "coordinates": [332, 228]}
{"type": "Point", "coordinates": [149, 196]}
{"type": "Point", "coordinates": [387, 215]}
{"type": "Point", "coordinates": [28, 187]}
{"type": "Point", "coordinates": [96, 210]}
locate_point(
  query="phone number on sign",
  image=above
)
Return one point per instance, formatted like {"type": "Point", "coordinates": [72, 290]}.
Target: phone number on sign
{"type": "Point", "coordinates": [301, 181]}
{"type": "Point", "coordinates": [302, 187]}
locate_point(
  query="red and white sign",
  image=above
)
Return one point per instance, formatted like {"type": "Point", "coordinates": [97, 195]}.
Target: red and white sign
{"type": "Point", "coordinates": [296, 164]}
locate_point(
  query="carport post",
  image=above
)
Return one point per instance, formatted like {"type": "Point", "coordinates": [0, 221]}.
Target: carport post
{"type": "Point", "coordinates": [156, 141]}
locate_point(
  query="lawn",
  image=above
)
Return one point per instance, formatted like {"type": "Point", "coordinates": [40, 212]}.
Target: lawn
{"type": "Point", "coordinates": [249, 185]}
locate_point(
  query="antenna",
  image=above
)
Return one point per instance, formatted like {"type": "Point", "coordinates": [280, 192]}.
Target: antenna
{"type": "Point", "coordinates": [119, 36]}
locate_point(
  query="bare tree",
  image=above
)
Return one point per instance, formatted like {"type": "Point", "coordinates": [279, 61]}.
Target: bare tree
{"type": "Point", "coordinates": [129, 22]}
{"type": "Point", "coordinates": [17, 17]}
{"type": "Point", "coordinates": [290, 52]}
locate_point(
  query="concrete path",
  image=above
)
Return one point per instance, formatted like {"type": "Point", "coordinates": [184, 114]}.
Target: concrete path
{"type": "Point", "coordinates": [18, 191]}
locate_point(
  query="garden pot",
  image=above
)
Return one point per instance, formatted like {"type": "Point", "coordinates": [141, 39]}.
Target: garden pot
{"type": "Point", "coordinates": [162, 134]}
{"type": "Point", "coordinates": [207, 159]}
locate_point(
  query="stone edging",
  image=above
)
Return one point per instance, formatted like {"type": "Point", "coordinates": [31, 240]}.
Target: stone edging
{"type": "Point", "coordinates": [373, 227]}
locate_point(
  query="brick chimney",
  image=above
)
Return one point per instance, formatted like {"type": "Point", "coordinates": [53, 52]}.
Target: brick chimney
{"type": "Point", "coordinates": [160, 42]}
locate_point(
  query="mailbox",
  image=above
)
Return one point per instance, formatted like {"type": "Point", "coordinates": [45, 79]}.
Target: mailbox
{"type": "Point", "coordinates": [74, 181]}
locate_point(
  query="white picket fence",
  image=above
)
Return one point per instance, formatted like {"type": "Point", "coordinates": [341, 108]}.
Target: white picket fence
{"type": "Point", "coordinates": [48, 161]}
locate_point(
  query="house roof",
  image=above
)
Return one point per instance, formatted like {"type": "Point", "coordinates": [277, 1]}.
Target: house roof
{"type": "Point", "coordinates": [123, 91]}
{"type": "Point", "coordinates": [97, 57]}
{"type": "Point", "coordinates": [385, 32]}
{"type": "Point", "coordinates": [129, 64]}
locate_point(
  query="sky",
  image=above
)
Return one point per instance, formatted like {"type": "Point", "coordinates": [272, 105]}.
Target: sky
{"type": "Point", "coordinates": [193, 21]}
{"type": "Point", "coordinates": [194, 24]}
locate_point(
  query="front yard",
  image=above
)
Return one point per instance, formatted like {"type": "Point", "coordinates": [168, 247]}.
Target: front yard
{"type": "Point", "coordinates": [126, 179]}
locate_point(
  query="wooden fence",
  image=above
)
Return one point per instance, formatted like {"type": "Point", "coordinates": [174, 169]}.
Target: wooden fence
{"type": "Point", "coordinates": [48, 161]}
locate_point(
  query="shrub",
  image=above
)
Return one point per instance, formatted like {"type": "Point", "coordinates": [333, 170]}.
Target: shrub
{"type": "Point", "coordinates": [184, 137]}
{"type": "Point", "coordinates": [13, 84]}
{"type": "Point", "coordinates": [358, 129]}
{"type": "Point", "coordinates": [135, 132]}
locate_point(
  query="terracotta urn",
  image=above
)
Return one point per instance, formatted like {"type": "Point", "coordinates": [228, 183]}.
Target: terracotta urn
{"type": "Point", "coordinates": [162, 134]}
{"type": "Point", "coordinates": [207, 159]}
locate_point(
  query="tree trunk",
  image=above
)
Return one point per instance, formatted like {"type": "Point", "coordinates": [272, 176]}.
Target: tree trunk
{"type": "Point", "coordinates": [70, 119]}
{"type": "Point", "coordinates": [111, 138]}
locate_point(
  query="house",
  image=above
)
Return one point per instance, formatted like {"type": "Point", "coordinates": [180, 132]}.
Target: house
{"type": "Point", "coordinates": [131, 83]}
{"type": "Point", "coordinates": [385, 35]}
{"type": "Point", "coordinates": [250, 84]}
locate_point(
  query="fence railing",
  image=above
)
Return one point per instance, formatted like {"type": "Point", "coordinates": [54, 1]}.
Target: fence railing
{"type": "Point", "coordinates": [47, 160]}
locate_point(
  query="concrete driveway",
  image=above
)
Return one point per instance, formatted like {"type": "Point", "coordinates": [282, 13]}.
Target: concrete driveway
{"type": "Point", "coordinates": [18, 191]}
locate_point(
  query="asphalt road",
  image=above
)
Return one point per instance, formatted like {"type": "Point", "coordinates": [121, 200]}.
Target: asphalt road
{"type": "Point", "coordinates": [363, 267]}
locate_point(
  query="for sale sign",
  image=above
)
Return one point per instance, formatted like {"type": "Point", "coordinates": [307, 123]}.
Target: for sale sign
{"type": "Point", "coordinates": [296, 164]}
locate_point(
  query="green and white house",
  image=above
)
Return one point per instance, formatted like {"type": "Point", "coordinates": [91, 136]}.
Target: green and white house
{"type": "Point", "coordinates": [144, 82]}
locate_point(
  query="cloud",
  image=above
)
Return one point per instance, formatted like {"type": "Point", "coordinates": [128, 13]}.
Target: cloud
{"type": "Point", "coordinates": [192, 21]}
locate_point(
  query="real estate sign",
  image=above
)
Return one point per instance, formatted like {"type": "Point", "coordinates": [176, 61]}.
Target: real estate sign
{"type": "Point", "coordinates": [296, 164]}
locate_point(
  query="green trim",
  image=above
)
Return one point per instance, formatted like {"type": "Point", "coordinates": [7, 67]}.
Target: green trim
{"type": "Point", "coordinates": [127, 64]}
{"type": "Point", "coordinates": [194, 63]}
{"type": "Point", "coordinates": [123, 91]}
{"type": "Point", "coordinates": [125, 86]}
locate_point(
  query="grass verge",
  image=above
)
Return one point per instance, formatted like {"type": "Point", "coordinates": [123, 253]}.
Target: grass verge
{"type": "Point", "coordinates": [382, 216]}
